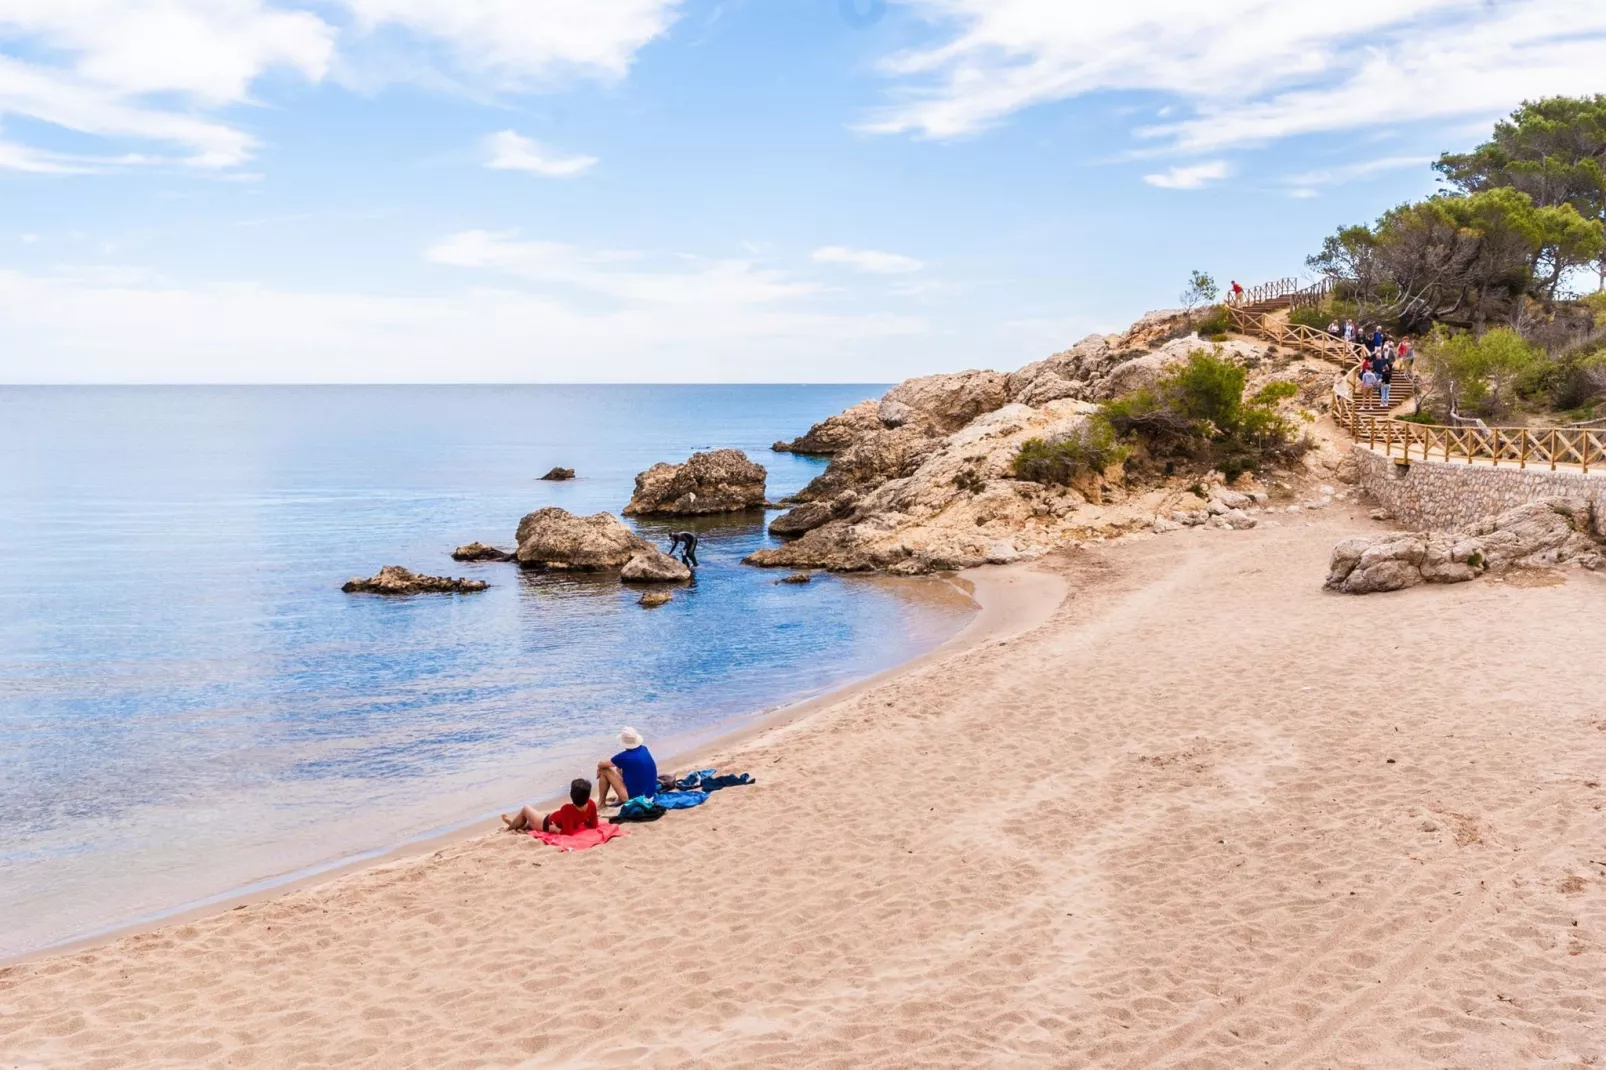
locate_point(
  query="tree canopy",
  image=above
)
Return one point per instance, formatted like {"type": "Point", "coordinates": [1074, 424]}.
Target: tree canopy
{"type": "Point", "coordinates": [1526, 209]}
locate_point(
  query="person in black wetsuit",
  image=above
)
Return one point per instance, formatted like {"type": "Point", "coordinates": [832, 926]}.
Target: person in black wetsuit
{"type": "Point", "coordinates": [686, 543]}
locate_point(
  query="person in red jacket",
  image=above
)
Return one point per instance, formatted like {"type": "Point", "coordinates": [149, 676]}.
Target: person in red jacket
{"type": "Point", "coordinates": [1237, 293]}
{"type": "Point", "coordinates": [580, 812]}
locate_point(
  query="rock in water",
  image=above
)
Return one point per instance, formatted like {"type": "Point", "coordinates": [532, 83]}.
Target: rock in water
{"type": "Point", "coordinates": [1550, 532]}
{"type": "Point", "coordinates": [654, 566]}
{"type": "Point", "coordinates": [797, 578]}
{"type": "Point", "coordinates": [554, 538]}
{"type": "Point", "coordinates": [478, 551]}
{"type": "Point", "coordinates": [654, 599]}
{"type": "Point", "coordinates": [720, 481]}
{"type": "Point", "coordinates": [393, 579]}
{"type": "Point", "coordinates": [558, 475]}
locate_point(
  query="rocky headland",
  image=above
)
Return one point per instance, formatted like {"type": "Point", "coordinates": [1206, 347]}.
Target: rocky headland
{"type": "Point", "coordinates": [923, 479]}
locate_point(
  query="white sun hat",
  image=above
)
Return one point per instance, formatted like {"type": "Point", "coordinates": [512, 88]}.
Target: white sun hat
{"type": "Point", "coordinates": [629, 737]}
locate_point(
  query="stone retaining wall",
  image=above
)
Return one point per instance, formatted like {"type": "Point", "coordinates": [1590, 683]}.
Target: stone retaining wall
{"type": "Point", "coordinates": [1434, 496]}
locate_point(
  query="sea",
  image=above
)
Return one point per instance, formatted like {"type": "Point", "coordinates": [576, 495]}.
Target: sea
{"type": "Point", "coordinates": [190, 708]}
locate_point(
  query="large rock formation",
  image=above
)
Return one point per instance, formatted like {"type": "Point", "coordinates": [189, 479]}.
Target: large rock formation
{"type": "Point", "coordinates": [393, 579]}
{"type": "Point", "coordinates": [554, 538]}
{"type": "Point", "coordinates": [720, 481]}
{"type": "Point", "coordinates": [927, 483]}
{"type": "Point", "coordinates": [835, 433]}
{"type": "Point", "coordinates": [654, 566]}
{"type": "Point", "coordinates": [1551, 532]}
{"type": "Point", "coordinates": [478, 551]}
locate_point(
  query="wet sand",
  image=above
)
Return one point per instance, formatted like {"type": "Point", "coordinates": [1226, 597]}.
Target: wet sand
{"type": "Point", "coordinates": [1203, 815]}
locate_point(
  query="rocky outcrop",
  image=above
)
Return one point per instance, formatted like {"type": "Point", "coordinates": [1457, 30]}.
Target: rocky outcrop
{"type": "Point", "coordinates": [654, 566]}
{"type": "Point", "coordinates": [559, 475]}
{"type": "Point", "coordinates": [944, 403]}
{"type": "Point", "coordinates": [554, 538]}
{"type": "Point", "coordinates": [393, 579]}
{"type": "Point", "coordinates": [720, 481]}
{"type": "Point", "coordinates": [928, 483]}
{"type": "Point", "coordinates": [803, 518]}
{"type": "Point", "coordinates": [836, 433]}
{"type": "Point", "coordinates": [797, 579]}
{"type": "Point", "coordinates": [478, 551]}
{"type": "Point", "coordinates": [960, 506]}
{"type": "Point", "coordinates": [654, 599]}
{"type": "Point", "coordinates": [1552, 532]}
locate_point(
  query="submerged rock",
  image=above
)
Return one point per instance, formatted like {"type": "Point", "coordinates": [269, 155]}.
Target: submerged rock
{"type": "Point", "coordinates": [654, 566]}
{"type": "Point", "coordinates": [478, 551]}
{"type": "Point", "coordinates": [654, 599]}
{"type": "Point", "coordinates": [1550, 532]}
{"type": "Point", "coordinates": [558, 475]}
{"type": "Point", "coordinates": [554, 538]}
{"type": "Point", "coordinates": [393, 579]}
{"type": "Point", "coordinates": [718, 481]}
{"type": "Point", "coordinates": [797, 578]}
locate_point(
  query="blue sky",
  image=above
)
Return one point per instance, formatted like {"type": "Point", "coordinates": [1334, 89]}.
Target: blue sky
{"type": "Point", "coordinates": [701, 190]}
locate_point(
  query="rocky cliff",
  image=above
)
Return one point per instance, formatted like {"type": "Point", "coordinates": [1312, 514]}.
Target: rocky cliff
{"type": "Point", "coordinates": [922, 480]}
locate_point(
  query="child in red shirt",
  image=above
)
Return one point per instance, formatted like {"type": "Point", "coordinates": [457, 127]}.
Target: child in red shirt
{"type": "Point", "coordinates": [579, 813]}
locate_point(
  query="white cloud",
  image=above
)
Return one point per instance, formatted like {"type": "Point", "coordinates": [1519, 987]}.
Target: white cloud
{"type": "Point", "coordinates": [1345, 173]}
{"type": "Point", "coordinates": [1252, 71]}
{"type": "Point", "coordinates": [517, 43]}
{"type": "Point", "coordinates": [868, 260]}
{"type": "Point", "coordinates": [158, 72]}
{"type": "Point", "coordinates": [89, 327]}
{"type": "Point", "coordinates": [1190, 176]}
{"type": "Point", "coordinates": [510, 151]}
{"type": "Point", "coordinates": [100, 63]}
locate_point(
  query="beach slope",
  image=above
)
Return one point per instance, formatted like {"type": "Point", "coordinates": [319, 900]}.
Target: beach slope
{"type": "Point", "coordinates": [1206, 816]}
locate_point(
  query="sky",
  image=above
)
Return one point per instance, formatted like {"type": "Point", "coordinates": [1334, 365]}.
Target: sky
{"type": "Point", "coordinates": [295, 191]}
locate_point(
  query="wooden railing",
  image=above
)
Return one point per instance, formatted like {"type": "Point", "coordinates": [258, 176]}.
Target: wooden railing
{"type": "Point", "coordinates": [1521, 446]}
{"type": "Point", "coordinates": [1268, 291]}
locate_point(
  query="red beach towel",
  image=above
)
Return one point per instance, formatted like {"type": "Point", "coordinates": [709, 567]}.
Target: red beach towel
{"type": "Point", "coordinates": [581, 840]}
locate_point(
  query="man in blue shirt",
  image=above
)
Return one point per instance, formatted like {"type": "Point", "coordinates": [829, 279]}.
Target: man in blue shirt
{"type": "Point", "coordinates": [629, 773]}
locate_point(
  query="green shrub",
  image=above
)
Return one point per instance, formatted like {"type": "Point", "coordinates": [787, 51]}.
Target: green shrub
{"type": "Point", "coordinates": [1198, 411]}
{"type": "Point", "coordinates": [967, 479]}
{"type": "Point", "coordinates": [1088, 450]}
{"type": "Point", "coordinates": [1214, 324]}
{"type": "Point", "coordinates": [1311, 317]}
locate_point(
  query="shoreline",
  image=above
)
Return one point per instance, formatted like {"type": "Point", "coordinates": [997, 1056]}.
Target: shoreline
{"type": "Point", "coordinates": [1005, 606]}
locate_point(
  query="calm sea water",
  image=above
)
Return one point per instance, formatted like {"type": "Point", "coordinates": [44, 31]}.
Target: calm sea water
{"type": "Point", "coordinates": [189, 704]}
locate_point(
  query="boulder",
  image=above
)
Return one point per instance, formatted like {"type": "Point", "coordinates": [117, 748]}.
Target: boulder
{"type": "Point", "coordinates": [654, 599]}
{"type": "Point", "coordinates": [554, 538]}
{"type": "Point", "coordinates": [797, 578]}
{"type": "Point", "coordinates": [654, 566]}
{"type": "Point", "coordinates": [478, 551]}
{"type": "Point", "coordinates": [719, 481]}
{"type": "Point", "coordinates": [393, 579]}
{"type": "Point", "coordinates": [558, 475]}
{"type": "Point", "coordinates": [836, 433]}
{"type": "Point", "coordinates": [1550, 532]}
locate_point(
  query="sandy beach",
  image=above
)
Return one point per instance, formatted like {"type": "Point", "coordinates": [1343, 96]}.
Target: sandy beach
{"type": "Point", "coordinates": [1168, 805]}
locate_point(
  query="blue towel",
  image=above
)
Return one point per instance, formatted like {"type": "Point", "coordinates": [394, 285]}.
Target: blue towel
{"type": "Point", "coordinates": [679, 800]}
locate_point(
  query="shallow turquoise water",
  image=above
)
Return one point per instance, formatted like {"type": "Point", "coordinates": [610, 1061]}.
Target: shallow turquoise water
{"type": "Point", "coordinates": [189, 704]}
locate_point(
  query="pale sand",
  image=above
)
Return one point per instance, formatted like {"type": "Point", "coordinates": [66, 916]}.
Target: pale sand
{"type": "Point", "coordinates": [1161, 830]}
